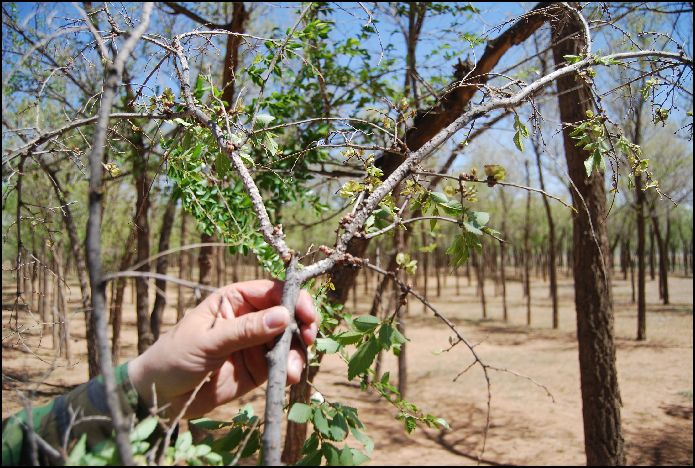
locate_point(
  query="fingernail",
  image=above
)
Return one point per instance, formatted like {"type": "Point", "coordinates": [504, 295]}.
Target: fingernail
{"type": "Point", "coordinates": [276, 317]}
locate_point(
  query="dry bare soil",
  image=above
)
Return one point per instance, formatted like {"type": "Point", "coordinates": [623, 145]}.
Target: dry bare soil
{"type": "Point", "coordinates": [527, 426]}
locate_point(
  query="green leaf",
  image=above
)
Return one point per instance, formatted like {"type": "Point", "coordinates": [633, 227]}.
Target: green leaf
{"type": "Point", "coordinates": [184, 441]}
{"type": "Point", "coordinates": [572, 58]}
{"type": "Point", "coordinates": [472, 229]}
{"type": "Point", "coordinates": [366, 323]}
{"type": "Point", "coordinates": [410, 424]}
{"type": "Point", "coordinates": [332, 455]}
{"type": "Point", "coordinates": [589, 166]}
{"type": "Point", "coordinates": [339, 428]}
{"type": "Point", "coordinates": [481, 217]}
{"type": "Point", "coordinates": [270, 144]}
{"type": "Point", "coordinates": [442, 423]}
{"type": "Point", "coordinates": [363, 358]}
{"type": "Point", "coordinates": [209, 424]}
{"type": "Point", "coordinates": [313, 459]}
{"type": "Point", "coordinates": [300, 413]}
{"type": "Point", "coordinates": [321, 423]}
{"type": "Point", "coordinates": [363, 438]}
{"type": "Point", "coordinates": [213, 458]}
{"type": "Point", "coordinates": [349, 337]}
{"type": "Point", "coordinates": [346, 457]}
{"type": "Point", "coordinates": [222, 165]}
{"type": "Point", "coordinates": [327, 345]}
{"type": "Point", "coordinates": [264, 119]}
{"type": "Point", "coordinates": [78, 451]}
{"type": "Point", "coordinates": [521, 132]}
{"type": "Point", "coordinates": [144, 429]}
{"type": "Point", "coordinates": [439, 198]}
{"type": "Point", "coordinates": [358, 457]}
{"type": "Point", "coordinates": [518, 141]}
{"type": "Point", "coordinates": [459, 250]}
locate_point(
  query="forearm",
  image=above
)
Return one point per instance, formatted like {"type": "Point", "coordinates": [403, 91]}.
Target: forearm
{"type": "Point", "coordinates": [83, 410]}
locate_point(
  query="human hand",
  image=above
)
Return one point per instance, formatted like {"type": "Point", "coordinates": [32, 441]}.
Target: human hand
{"type": "Point", "coordinates": [227, 334]}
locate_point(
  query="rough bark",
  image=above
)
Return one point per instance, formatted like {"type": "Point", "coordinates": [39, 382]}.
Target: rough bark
{"type": "Point", "coordinates": [603, 439]}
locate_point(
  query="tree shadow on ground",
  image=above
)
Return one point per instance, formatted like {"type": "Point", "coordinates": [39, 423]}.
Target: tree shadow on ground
{"type": "Point", "coordinates": [669, 444]}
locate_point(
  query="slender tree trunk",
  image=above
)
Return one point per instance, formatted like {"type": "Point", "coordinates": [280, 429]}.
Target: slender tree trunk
{"type": "Point", "coordinates": [663, 259]}
{"type": "Point", "coordinates": [603, 439]}
{"type": "Point", "coordinates": [652, 253]}
{"type": "Point", "coordinates": [527, 250]}
{"type": "Point", "coordinates": [641, 270]}
{"type": "Point", "coordinates": [480, 275]}
{"type": "Point", "coordinates": [184, 262]}
{"type": "Point", "coordinates": [142, 227]}
{"type": "Point", "coordinates": [503, 248]}
{"type": "Point", "coordinates": [552, 245]}
{"type": "Point", "coordinates": [117, 311]}
{"type": "Point", "coordinates": [205, 264]}
{"type": "Point", "coordinates": [162, 266]}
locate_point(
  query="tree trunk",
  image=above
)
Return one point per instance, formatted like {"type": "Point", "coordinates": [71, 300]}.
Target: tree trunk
{"type": "Point", "coordinates": [503, 247]}
{"type": "Point", "coordinates": [184, 262]}
{"type": "Point", "coordinates": [117, 311]}
{"type": "Point", "coordinates": [204, 265]}
{"type": "Point", "coordinates": [162, 266]}
{"type": "Point", "coordinates": [527, 251]}
{"type": "Point", "coordinates": [641, 270]}
{"type": "Point", "coordinates": [651, 254]}
{"type": "Point", "coordinates": [663, 259]}
{"type": "Point", "coordinates": [603, 439]}
{"type": "Point", "coordinates": [142, 227]}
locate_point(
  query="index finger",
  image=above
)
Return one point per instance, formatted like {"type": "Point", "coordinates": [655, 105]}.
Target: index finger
{"type": "Point", "coordinates": [250, 296]}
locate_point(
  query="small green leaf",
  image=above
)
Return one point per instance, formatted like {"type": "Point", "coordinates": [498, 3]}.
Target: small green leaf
{"type": "Point", "coordinates": [300, 413]}
{"type": "Point", "coordinates": [144, 429]}
{"type": "Point", "coordinates": [363, 358]}
{"type": "Point", "coordinates": [339, 428]}
{"type": "Point", "coordinates": [78, 451]}
{"type": "Point", "coordinates": [358, 457]}
{"type": "Point", "coordinates": [442, 423]}
{"type": "Point", "coordinates": [349, 337]}
{"type": "Point", "coordinates": [481, 217]}
{"type": "Point", "coordinates": [410, 424]}
{"type": "Point", "coordinates": [264, 119]}
{"type": "Point", "coordinates": [321, 423]}
{"type": "Point", "coordinates": [366, 323]}
{"type": "Point", "coordinates": [222, 165]}
{"type": "Point", "coordinates": [332, 455]}
{"type": "Point", "coordinates": [270, 144]}
{"type": "Point", "coordinates": [327, 345]}
{"type": "Point", "coordinates": [472, 229]}
{"type": "Point", "coordinates": [589, 166]}
{"type": "Point", "coordinates": [184, 441]}
{"type": "Point", "coordinates": [346, 458]}
{"type": "Point", "coordinates": [312, 459]}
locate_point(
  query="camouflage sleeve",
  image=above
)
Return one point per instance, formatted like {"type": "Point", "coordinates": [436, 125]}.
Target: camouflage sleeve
{"type": "Point", "coordinates": [83, 410]}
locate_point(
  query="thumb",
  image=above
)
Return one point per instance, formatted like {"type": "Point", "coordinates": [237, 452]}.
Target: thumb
{"type": "Point", "coordinates": [250, 329]}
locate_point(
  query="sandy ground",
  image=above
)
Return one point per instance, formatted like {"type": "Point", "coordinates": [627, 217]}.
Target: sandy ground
{"type": "Point", "coordinates": [526, 425]}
